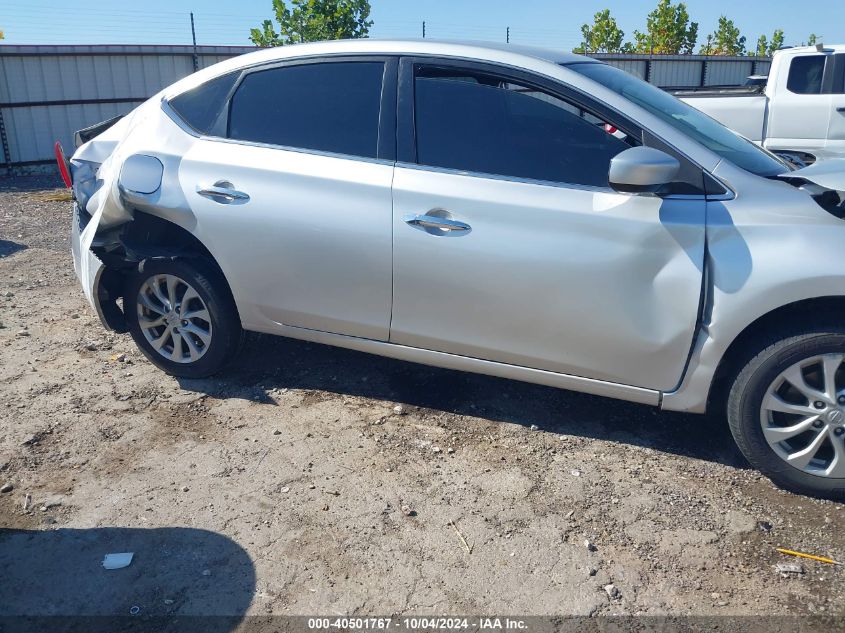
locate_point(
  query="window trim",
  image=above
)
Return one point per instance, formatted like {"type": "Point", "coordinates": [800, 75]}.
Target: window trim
{"type": "Point", "coordinates": [406, 150]}
{"type": "Point", "coordinates": [386, 144]}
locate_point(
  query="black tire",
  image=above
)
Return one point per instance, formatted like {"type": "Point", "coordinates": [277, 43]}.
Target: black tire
{"type": "Point", "coordinates": [746, 399]}
{"type": "Point", "coordinates": [206, 280]}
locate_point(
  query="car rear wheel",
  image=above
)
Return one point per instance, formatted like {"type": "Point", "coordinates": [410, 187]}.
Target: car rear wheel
{"type": "Point", "coordinates": [786, 410]}
{"type": "Point", "coordinates": [181, 315]}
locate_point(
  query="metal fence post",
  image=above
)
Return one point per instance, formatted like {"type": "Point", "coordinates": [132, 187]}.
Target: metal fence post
{"type": "Point", "coordinates": [7, 154]}
{"type": "Point", "coordinates": [194, 37]}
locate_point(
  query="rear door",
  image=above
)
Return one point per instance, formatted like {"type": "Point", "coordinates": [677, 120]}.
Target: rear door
{"type": "Point", "coordinates": [799, 111]}
{"type": "Point", "coordinates": [290, 186]}
{"type": "Point", "coordinates": [510, 246]}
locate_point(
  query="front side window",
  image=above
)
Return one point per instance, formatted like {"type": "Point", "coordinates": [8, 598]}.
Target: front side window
{"type": "Point", "coordinates": [330, 107]}
{"type": "Point", "coordinates": [805, 75]}
{"type": "Point", "coordinates": [480, 123]}
{"type": "Point", "coordinates": [683, 117]}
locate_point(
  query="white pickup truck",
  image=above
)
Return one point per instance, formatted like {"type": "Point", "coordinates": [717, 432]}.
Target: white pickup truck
{"type": "Point", "coordinates": [799, 112]}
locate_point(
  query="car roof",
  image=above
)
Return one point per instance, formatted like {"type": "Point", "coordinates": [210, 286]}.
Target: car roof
{"type": "Point", "coordinates": [537, 52]}
{"type": "Point", "coordinates": [819, 48]}
{"type": "Point", "coordinates": [421, 46]}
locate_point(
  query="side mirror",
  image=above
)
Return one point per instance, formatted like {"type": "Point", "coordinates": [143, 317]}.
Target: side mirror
{"type": "Point", "coordinates": [642, 170]}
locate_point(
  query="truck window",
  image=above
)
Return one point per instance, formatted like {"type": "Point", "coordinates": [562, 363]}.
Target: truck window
{"type": "Point", "coordinates": [805, 75]}
{"type": "Point", "coordinates": [839, 74]}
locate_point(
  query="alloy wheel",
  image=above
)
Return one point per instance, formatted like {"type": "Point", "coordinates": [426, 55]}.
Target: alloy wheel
{"type": "Point", "coordinates": [174, 319]}
{"type": "Point", "coordinates": [803, 415]}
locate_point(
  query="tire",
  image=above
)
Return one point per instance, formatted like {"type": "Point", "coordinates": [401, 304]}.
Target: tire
{"type": "Point", "coordinates": [207, 337]}
{"type": "Point", "coordinates": [766, 410]}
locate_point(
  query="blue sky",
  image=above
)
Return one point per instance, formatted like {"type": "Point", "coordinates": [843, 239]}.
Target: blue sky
{"type": "Point", "coordinates": [554, 23]}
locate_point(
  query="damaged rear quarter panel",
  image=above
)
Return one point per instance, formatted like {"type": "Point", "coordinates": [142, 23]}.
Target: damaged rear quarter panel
{"type": "Point", "coordinates": [96, 167]}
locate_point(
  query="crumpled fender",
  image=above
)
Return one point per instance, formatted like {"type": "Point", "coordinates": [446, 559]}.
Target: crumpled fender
{"type": "Point", "coordinates": [829, 174]}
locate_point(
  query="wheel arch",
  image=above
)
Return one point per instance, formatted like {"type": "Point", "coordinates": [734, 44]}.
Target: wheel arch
{"type": "Point", "coordinates": [146, 237]}
{"type": "Point", "coordinates": [785, 320]}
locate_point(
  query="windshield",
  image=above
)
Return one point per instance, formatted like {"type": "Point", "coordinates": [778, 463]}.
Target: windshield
{"type": "Point", "coordinates": [684, 118]}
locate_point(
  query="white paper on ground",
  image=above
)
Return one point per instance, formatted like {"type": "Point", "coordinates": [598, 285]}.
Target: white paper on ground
{"type": "Point", "coordinates": [117, 561]}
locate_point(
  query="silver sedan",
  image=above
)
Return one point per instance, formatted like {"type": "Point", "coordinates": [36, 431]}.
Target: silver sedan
{"type": "Point", "coordinates": [513, 212]}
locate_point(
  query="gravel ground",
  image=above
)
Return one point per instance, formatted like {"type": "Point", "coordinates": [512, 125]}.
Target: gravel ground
{"type": "Point", "coordinates": [312, 480]}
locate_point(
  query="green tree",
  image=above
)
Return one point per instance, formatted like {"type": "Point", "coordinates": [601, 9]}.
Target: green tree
{"type": "Point", "coordinates": [726, 40]}
{"type": "Point", "coordinates": [777, 41]}
{"type": "Point", "coordinates": [604, 36]}
{"type": "Point", "coordinates": [766, 48]}
{"type": "Point", "coordinates": [812, 40]}
{"type": "Point", "coordinates": [314, 20]}
{"type": "Point", "coordinates": [668, 30]}
{"type": "Point", "coordinates": [707, 47]}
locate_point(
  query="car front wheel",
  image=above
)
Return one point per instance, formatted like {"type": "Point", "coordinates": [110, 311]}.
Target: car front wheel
{"type": "Point", "coordinates": [182, 316]}
{"type": "Point", "coordinates": [786, 410]}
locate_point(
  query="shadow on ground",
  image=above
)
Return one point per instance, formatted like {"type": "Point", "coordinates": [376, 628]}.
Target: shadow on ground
{"type": "Point", "coordinates": [8, 247]}
{"type": "Point", "coordinates": [54, 580]}
{"type": "Point", "coordinates": [275, 362]}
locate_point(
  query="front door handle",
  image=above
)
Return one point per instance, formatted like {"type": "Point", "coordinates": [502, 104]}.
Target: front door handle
{"type": "Point", "coordinates": [842, 110]}
{"type": "Point", "coordinates": [434, 222]}
{"type": "Point", "coordinates": [223, 192]}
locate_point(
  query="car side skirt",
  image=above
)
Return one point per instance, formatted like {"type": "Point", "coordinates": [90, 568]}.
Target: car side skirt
{"type": "Point", "coordinates": [473, 365]}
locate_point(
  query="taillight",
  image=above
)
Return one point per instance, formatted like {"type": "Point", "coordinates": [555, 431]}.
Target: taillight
{"type": "Point", "coordinates": [610, 129]}
{"type": "Point", "coordinates": [64, 165]}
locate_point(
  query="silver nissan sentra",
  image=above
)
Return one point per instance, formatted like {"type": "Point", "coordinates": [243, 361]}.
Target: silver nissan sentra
{"type": "Point", "coordinates": [502, 210]}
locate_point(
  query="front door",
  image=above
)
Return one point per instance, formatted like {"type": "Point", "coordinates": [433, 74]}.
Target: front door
{"type": "Point", "coordinates": [509, 245]}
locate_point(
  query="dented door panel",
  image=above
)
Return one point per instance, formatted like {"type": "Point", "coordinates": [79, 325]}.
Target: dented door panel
{"type": "Point", "coordinates": [580, 281]}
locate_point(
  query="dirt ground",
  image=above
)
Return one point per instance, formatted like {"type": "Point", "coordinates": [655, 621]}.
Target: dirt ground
{"type": "Point", "coordinates": [312, 480]}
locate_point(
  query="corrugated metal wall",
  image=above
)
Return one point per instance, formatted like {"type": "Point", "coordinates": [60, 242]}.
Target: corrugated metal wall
{"type": "Point", "coordinates": [682, 71]}
{"type": "Point", "coordinates": [48, 92]}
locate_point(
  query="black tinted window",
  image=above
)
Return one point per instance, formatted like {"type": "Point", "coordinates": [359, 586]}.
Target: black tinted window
{"type": "Point", "coordinates": [839, 74]}
{"type": "Point", "coordinates": [805, 75]}
{"type": "Point", "coordinates": [483, 124]}
{"type": "Point", "coordinates": [199, 107]}
{"type": "Point", "coordinates": [332, 107]}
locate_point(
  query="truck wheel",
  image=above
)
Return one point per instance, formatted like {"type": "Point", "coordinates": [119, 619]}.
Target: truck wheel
{"type": "Point", "coordinates": [786, 411]}
{"type": "Point", "coordinates": [182, 316]}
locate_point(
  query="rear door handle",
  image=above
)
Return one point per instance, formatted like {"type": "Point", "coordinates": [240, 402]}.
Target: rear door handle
{"type": "Point", "coordinates": [223, 192]}
{"type": "Point", "coordinates": [842, 110]}
{"type": "Point", "coordinates": [434, 222]}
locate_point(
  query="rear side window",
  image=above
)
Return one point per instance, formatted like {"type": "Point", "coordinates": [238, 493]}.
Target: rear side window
{"type": "Point", "coordinates": [480, 123]}
{"type": "Point", "coordinates": [330, 107]}
{"type": "Point", "coordinates": [201, 106]}
{"type": "Point", "coordinates": [805, 75]}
